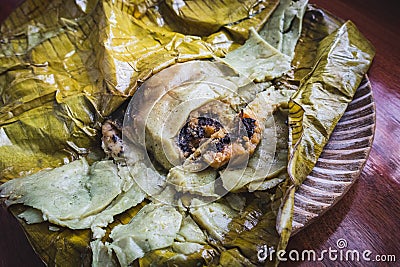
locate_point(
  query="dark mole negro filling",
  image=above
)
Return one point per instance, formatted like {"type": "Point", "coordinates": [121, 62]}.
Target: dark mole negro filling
{"type": "Point", "coordinates": [249, 124]}
{"type": "Point", "coordinates": [197, 129]}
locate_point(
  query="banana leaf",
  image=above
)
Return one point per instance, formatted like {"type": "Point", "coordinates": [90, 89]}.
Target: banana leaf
{"type": "Point", "coordinates": [317, 24]}
{"type": "Point", "coordinates": [284, 27]}
{"type": "Point", "coordinates": [60, 75]}
{"type": "Point", "coordinates": [342, 59]}
{"type": "Point", "coordinates": [48, 82]}
{"type": "Point", "coordinates": [258, 60]}
{"type": "Point", "coordinates": [59, 246]}
{"type": "Point", "coordinates": [254, 228]}
{"type": "Point", "coordinates": [203, 18]}
{"type": "Point", "coordinates": [64, 66]}
{"type": "Point", "coordinates": [234, 258]}
{"type": "Point", "coordinates": [267, 55]}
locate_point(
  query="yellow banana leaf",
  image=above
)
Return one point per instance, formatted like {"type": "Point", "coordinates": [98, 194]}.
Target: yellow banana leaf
{"type": "Point", "coordinates": [203, 18]}
{"type": "Point", "coordinates": [341, 60]}
{"type": "Point", "coordinates": [65, 65]}
{"type": "Point", "coordinates": [317, 24]}
{"type": "Point", "coordinates": [49, 82]}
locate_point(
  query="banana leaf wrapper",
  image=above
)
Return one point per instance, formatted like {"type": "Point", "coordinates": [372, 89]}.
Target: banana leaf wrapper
{"type": "Point", "coordinates": [101, 62]}
{"type": "Point", "coordinates": [342, 59]}
{"type": "Point", "coordinates": [248, 234]}
{"type": "Point", "coordinates": [184, 16]}
{"type": "Point", "coordinates": [48, 95]}
{"type": "Point", "coordinates": [59, 246]}
{"type": "Point", "coordinates": [65, 65]}
{"type": "Point", "coordinates": [317, 24]}
{"type": "Point", "coordinates": [330, 62]}
{"type": "Point", "coordinates": [285, 25]}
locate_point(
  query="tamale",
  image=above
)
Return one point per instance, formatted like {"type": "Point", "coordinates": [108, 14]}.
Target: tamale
{"type": "Point", "coordinates": [67, 65]}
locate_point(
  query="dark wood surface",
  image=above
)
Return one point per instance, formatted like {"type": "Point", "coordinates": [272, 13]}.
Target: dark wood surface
{"type": "Point", "coordinates": [368, 216]}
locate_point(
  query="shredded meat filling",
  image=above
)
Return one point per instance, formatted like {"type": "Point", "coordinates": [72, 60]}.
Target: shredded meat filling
{"type": "Point", "coordinates": [111, 140]}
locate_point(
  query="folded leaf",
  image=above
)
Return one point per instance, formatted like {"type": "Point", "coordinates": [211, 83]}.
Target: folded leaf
{"type": "Point", "coordinates": [342, 60]}
{"type": "Point", "coordinates": [64, 66]}
{"type": "Point", "coordinates": [254, 228]}
{"type": "Point", "coordinates": [203, 18]}
{"type": "Point", "coordinates": [154, 227]}
{"type": "Point", "coordinates": [82, 196]}
{"type": "Point", "coordinates": [284, 27]}
{"type": "Point", "coordinates": [258, 60]}
{"type": "Point", "coordinates": [317, 24]}
{"type": "Point", "coordinates": [50, 87]}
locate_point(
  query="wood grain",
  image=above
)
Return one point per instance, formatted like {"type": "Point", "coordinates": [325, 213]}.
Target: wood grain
{"type": "Point", "coordinates": [368, 216]}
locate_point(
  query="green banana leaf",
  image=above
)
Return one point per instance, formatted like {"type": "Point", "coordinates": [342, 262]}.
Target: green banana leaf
{"type": "Point", "coordinates": [67, 64]}
{"type": "Point", "coordinates": [342, 59]}
{"type": "Point", "coordinates": [49, 85]}
{"type": "Point", "coordinates": [284, 28]}
{"type": "Point", "coordinates": [317, 24]}
{"type": "Point", "coordinates": [60, 75]}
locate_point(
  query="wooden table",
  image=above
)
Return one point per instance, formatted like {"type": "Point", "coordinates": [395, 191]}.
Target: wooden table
{"type": "Point", "coordinates": [368, 217]}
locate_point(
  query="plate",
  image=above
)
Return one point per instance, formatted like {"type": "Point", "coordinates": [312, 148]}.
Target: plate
{"type": "Point", "coordinates": [341, 161]}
